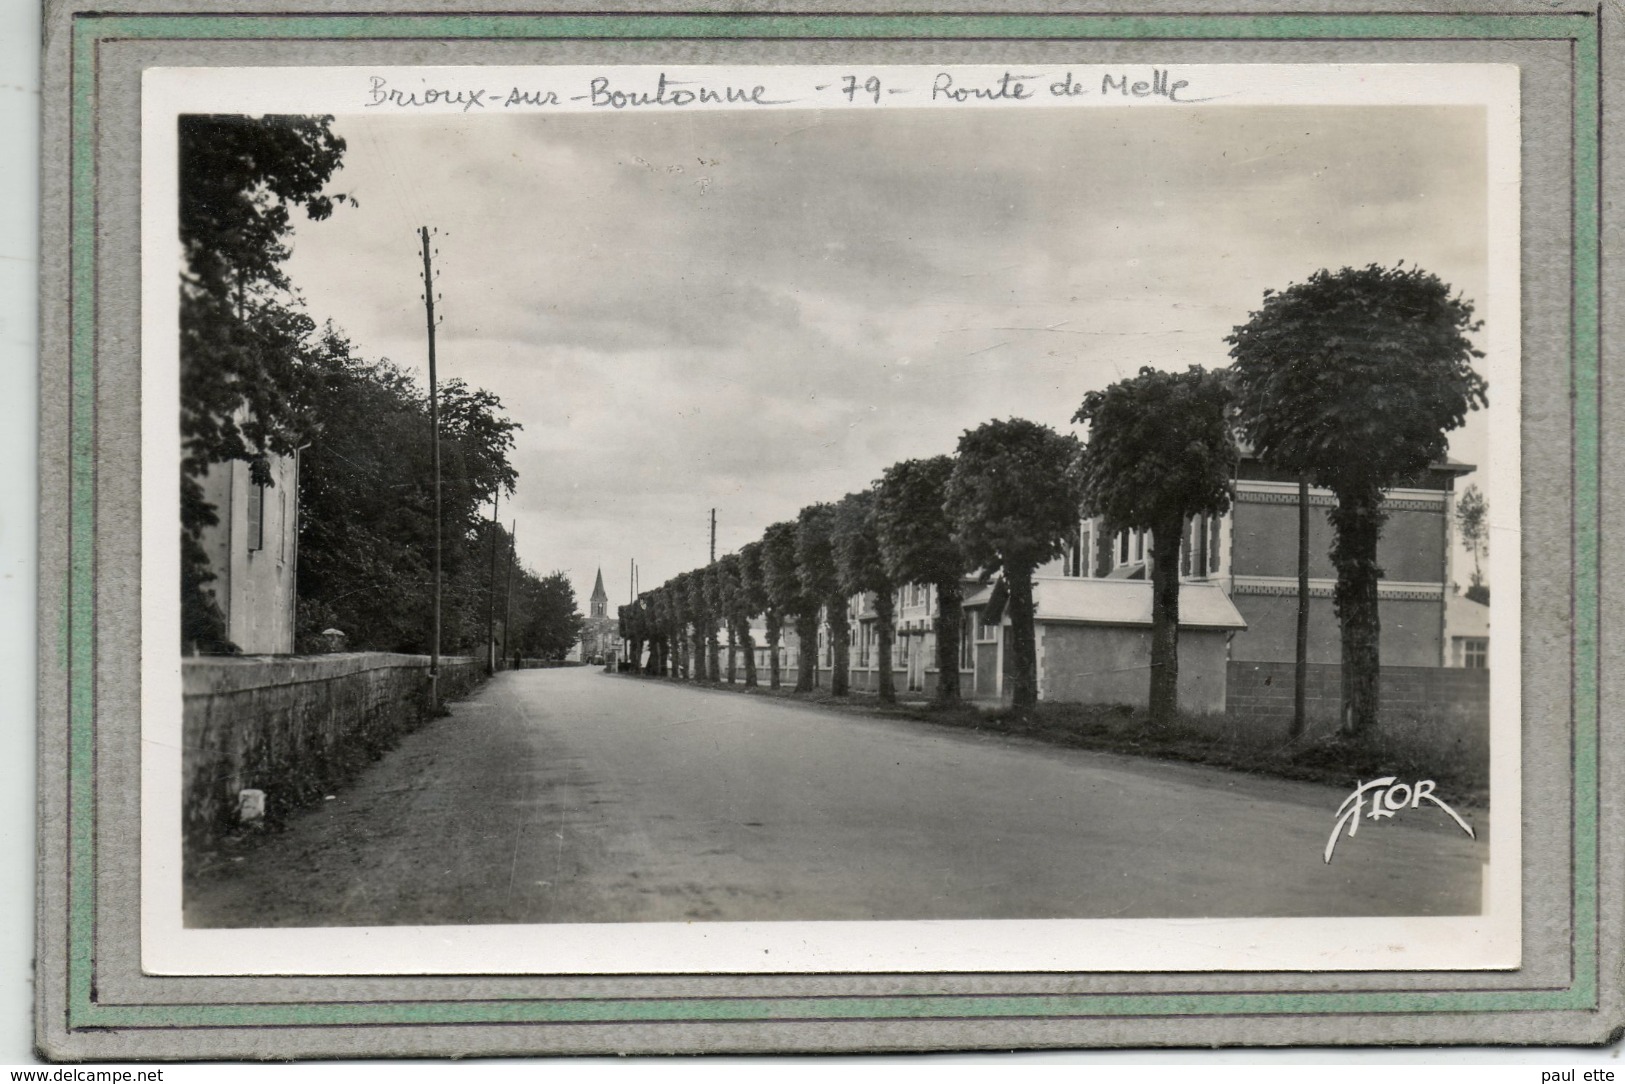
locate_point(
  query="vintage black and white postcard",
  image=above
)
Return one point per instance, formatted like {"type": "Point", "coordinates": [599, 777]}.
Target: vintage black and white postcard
{"type": "Point", "coordinates": [808, 305]}
{"type": "Point", "coordinates": [792, 520]}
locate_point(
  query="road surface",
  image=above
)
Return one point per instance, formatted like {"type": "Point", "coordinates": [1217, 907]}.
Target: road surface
{"type": "Point", "coordinates": [570, 795]}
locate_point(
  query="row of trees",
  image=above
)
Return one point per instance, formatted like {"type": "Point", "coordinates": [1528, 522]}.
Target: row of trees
{"type": "Point", "coordinates": [1350, 380]}
{"type": "Point", "coordinates": [258, 378]}
{"type": "Point", "coordinates": [1004, 504]}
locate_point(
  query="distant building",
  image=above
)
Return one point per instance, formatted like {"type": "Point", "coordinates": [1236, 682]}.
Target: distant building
{"type": "Point", "coordinates": [601, 631]}
{"type": "Point", "coordinates": [253, 552]}
{"type": "Point", "coordinates": [1467, 632]}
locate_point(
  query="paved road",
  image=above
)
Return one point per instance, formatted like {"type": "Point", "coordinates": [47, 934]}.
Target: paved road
{"type": "Point", "coordinates": [574, 796]}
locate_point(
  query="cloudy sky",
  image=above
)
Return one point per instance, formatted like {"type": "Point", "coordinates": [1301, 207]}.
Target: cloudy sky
{"type": "Point", "coordinates": [755, 311]}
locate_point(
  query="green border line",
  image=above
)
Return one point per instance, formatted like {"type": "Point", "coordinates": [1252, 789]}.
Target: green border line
{"type": "Point", "coordinates": [79, 606]}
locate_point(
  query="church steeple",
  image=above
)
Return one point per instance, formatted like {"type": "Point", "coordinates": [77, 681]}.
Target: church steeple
{"type": "Point", "coordinates": [600, 600]}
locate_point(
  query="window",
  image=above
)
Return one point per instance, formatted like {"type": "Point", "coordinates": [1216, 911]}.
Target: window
{"type": "Point", "coordinates": [967, 656]}
{"type": "Point", "coordinates": [1086, 550]}
{"type": "Point", "coordinates": [256, 517]}
{"type": "Point", "coordinates": [1122, 548]}
{"type": "Point", "coordinates": [1213, 544]}
{"type": "Point", "coordinates": [1475, 653]}
{"type": "Point", "coordinates": [282, 526]}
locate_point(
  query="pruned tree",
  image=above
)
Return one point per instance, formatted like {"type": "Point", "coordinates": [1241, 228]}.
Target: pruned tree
{"type": "Point", "coordinates": [711, 585]}
{"type": "Point", "coordinates": [1014, 499]}
{"type": "Point", "coordinates": [1354, 378]}
{"type": "Point", "coordinates": [1473, 521]}
{"type": "Point", "coordinates": [1160, 450]}
{"type": "Point", "coordinates": [782, 576]}
{"type": "Point", "coordinates": [863, 571]}
{"type": "Point", "coordinates": [696, 607]}
{"type": "Point", "coordinates": [754, 600]}
{"type": "Point", "coordinates": [737, 612]}
{"type": "Point", "coordinates": [665, 664]}
{"type": "Point", "coordinates": [821, 579]}
{"type": "Point", "coordinates": [918, 545]}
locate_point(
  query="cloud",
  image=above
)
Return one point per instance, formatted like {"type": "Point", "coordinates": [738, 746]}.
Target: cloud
{"type": "Point", "coordinates": [758, 311]}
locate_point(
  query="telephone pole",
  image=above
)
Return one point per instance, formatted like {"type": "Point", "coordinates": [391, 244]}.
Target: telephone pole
{"type": "Point", "coordinates": [491, 592]}
{"type": "Point", "coordinates": [713, 536]}
{"type": "Point", "coordinates": [507, 594]}
{"type": "Point", "coordinates": [434, 425]}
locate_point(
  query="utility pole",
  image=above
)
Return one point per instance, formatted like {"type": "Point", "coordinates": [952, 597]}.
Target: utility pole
{"type": "Point", "coordinates": [507, 594]}
{"type": "Point", "coordinates": [1300, 676]}
{"type": "Point", "coordinates": [434, 425]}
{"type": "Point", "coordinates": [631, 581]}
{"type": "Point", "coordinates": [491, 592]}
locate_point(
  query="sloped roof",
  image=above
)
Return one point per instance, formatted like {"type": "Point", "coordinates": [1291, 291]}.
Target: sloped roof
{"type": "Point", "coordinates": [1128, 602]}
{"type": "Point", "coordinates": [1464, 617]}
{"type": "Point", "coordinates": [598, 593]}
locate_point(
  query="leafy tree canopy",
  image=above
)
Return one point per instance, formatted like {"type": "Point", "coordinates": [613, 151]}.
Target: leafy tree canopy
{"type": "Point", "coordinates": [752, 579]}
{"type": "Point", "coordinates": [1014, 494]}
{"type": "Point", "coordinates": [916, 534]}
{"type": "Point", "coordinates": [857, 546]}
{"type": "Point", "coordinates": [1160, 448]}
{"type": "Point", "coordinates": [781, 572]}
{"type": "Point", "coordinates": [1356, 376]}
{"type": "Point", "coordinates": [815, 552]}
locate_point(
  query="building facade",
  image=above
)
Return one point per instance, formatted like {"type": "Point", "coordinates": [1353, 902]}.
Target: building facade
{"type": "Point", "coordinates": [254, 551]}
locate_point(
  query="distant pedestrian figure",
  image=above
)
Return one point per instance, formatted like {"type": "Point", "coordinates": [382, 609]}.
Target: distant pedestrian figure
{"type": "Point", "coordinates": [516, 660]}
{"type": "Point", "coordinates": [334, 639]}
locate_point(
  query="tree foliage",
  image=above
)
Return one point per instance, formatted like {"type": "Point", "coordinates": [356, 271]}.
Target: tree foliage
{"type": "Point", "coordinates": [1472, 520]}
{"type": "Point", "coordinates": [917, 545]}
{"type": "Point", "coordinates": [862, 570]}
{"type": "Point", "coordinates": [1014, 498]}
{"type": "Point", "coordinates": [1160, 450]}
{"type": "Point", "coordinates": [241, 338]}
{"type": "Point", "coordinates": [366, 496]}
{"type": "Point", "coordinates": [821, 580]}
{"type": "Point", "coordinates": [1355, 377]}
{"type": "Point", "coordinates": [546, 623]}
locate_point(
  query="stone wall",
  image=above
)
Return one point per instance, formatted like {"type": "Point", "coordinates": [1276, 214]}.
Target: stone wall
{"type": "Point", "coordinates": [1445, 711]}
{"type": "Point", "coordinates": [295, 727]}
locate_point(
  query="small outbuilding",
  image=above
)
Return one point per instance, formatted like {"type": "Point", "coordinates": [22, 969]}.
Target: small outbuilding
{"type": "Point", "coordinates": [1094, 641]}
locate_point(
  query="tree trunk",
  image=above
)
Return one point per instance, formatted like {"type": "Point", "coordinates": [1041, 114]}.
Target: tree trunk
{"type": "Point", "coordinates": [1300, 670]}
{"type": "Point", "coordinates": [840, 637]}
{"type": "Point", "coordinates": [1358, 520]}
{"type": "Point", "coordinates": [713, 653]}
{"type": "Point", "coordinates": [950, 617]}
{"type": "Point", "coordinates": [885, 626]}
{"type": "Point", "coordinates": [806, 650]}
{"type": "Point", "coordinates": [775, 628]}
{"type": "Point", "coordinates": [747, 647]}
{"type": "Point", "coordinates": [1021, 655]}
{"type": "Point", "coordinates": [696, 668]}
{"type": "Point", "coordinates": [1164, 623]}
{"type": "Point", "coordinates": [733, 662]}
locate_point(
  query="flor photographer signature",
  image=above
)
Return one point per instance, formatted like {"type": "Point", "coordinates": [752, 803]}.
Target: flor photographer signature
{"type": "Point", "coordinates": [1382, 798]}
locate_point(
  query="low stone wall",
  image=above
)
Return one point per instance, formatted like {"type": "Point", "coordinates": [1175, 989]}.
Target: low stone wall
{"type": "Point", "coordinates": [295, 727]}
{"type": "Point", "coordinates": [1444, 711]}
